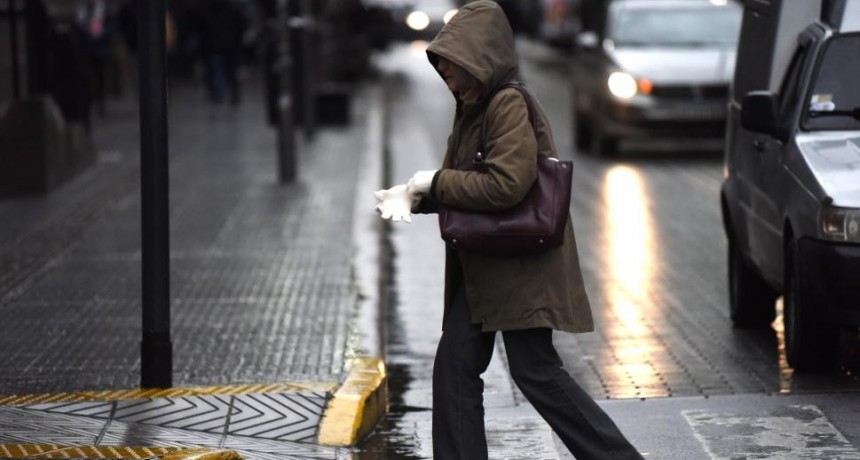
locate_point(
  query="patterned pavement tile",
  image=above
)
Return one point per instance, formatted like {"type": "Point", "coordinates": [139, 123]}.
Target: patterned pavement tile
{"type": "Point", "coordinates": [24, 426]}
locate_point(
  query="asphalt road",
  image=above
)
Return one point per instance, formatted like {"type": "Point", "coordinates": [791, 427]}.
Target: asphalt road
{"type": "Point", "coordinates": [653, 251]}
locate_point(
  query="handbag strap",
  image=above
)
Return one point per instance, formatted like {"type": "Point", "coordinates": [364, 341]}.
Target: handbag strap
{"type": "Point", "coordinates": [519, 86]}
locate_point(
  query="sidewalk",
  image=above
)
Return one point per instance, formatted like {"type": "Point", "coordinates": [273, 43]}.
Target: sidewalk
{"type": "Point", "coordinates": [265, 313]}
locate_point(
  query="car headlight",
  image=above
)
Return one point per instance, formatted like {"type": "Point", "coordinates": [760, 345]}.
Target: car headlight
{"type": "Point", "coordinates": [418, 20]}
{"type": "Point", "coordinates": [450, 14]}
{"type": "Point", "coordinates": [622, 85]}
{"type": "Point", "coordinates": [840, 224]}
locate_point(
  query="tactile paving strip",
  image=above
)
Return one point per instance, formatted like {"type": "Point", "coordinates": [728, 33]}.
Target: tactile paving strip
{"type": "Point", "coordinates": [38, 451]}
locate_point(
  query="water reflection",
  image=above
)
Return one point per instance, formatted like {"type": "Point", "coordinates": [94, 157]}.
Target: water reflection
{"type": "Point", "coordinates": [629, 240]}
{"type": "Point", "coordinates": [418, 48]}
{"type": "Point", "coordinates": [785, 371]}
{"type": "Point", "coordinates": [630, 253]}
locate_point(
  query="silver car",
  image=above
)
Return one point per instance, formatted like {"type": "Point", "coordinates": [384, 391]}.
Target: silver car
{"type": "Point", "coordinates": [653, 68]}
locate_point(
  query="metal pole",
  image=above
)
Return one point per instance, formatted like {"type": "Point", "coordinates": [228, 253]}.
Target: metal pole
{"type": "Point", "coordinates": [286, 135]}
{"type": "Point", "coordinates": [13, 32]}
{"type": "Point", "coordinates": [156, 357]}
{"type": "Point", "coordinates": [308, 30]}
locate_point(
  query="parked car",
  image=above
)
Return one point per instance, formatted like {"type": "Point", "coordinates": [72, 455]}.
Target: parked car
{"type": "Point", "coordinates": [653, 68]}
{"type": "Point", "coordinates": [791, 196]}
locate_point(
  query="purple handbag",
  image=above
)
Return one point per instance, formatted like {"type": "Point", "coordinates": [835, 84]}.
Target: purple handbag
{"type": "Point", "coordinates": [535, 225]}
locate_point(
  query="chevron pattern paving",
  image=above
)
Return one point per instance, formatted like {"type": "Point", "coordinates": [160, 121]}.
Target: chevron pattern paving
{"type": "Point", "coordinates": [202, 413]}
{"type": "Point", "coordinates": [22, 426]}
{"type": "Point", "coordinates": [282, 416]}
{"type": "Point", "coordinates": [286, 417]}
{"type": "Point", "coordinates": [258, 426]}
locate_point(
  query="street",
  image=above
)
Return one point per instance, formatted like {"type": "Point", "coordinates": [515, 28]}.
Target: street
{"type": "Point", "coordinates": [653, 251]}
{"type": "Point", "coordinates": [278, 289]}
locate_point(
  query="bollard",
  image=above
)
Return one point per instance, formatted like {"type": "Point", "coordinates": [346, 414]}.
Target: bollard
{"type": "Point", "coordinates": [156, 356]}
{"type": "Point", "coordinates": [283, 68]}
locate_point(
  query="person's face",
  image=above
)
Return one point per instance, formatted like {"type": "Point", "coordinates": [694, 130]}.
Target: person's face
{"type": "Point", "coordinates": [454, 75]}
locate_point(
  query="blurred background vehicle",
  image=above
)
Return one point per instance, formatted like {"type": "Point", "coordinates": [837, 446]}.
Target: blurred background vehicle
{"type": "Point", "coordinates": [418, 19]}
{"type": "Point", "coordinates": [652, 68]}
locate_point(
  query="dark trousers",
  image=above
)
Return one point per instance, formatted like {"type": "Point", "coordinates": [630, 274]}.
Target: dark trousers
{"type": "Point", "coordinates": [458, 411]}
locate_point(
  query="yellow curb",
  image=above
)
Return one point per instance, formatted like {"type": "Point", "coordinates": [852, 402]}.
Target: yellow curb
{"type": "Point", "coordinates": [39, 451]}
{"type": "Point", "coordinates": [357, 406]}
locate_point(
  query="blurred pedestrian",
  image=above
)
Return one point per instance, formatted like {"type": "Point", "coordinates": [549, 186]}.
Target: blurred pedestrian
{"type": "Point", "coordinates": [220, 31]}
{"type": "Point", "coordinates": [96, 27]}
{"type": "Point", "coordinates": [524, 297]}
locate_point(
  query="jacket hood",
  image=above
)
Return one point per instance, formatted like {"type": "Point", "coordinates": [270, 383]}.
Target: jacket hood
{"type": "Point", "coordinates": [479, 39]}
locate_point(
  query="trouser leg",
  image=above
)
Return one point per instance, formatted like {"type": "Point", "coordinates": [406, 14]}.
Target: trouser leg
{"type": "Point", "coordinates": [463, 354]}
{"type": "Point", "coordinates": [583, 427]}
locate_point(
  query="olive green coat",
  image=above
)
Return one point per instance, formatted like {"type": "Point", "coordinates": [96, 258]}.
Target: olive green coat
{"type": "Point", "coordinates": [503, 293]}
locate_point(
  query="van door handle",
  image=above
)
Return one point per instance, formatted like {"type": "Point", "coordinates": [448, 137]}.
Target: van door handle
{"type": "Point", "coordinates": [759, 144]}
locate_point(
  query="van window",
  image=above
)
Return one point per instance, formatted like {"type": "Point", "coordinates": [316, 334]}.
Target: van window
{"type": "Point", "coordinates": [834, 102]}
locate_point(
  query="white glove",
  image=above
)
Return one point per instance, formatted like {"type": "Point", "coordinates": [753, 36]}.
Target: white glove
{"type": "Point", "coordinates": [394, 204]}
{"type": "Point", "coordinates": [419, 184]}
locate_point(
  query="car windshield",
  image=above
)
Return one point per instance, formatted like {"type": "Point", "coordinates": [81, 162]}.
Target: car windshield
{"type": "Point", "coordinates": [433, 7]}
{"type": "Point", "coordinates": [834, 103]}
{"type": "Point", "coordinates": [702, 26]}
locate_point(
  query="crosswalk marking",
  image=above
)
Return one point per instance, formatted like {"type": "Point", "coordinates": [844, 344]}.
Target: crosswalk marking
{"type": "Point", "coordinates": [788, 432]}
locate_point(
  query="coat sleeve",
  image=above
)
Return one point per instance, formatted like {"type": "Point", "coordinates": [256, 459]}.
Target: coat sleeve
{"type": "Point", "coordinates": [511, 160]}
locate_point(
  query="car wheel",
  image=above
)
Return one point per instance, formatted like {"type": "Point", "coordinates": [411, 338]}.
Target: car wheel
{"type": "Point", "coordinates": [751, 299]}
{"type": "Point", "coordinates": [581, 122]}
{"type": "Point", "coordinates": [810, 344]}
{"type": "Point", "coordinates": [582, 132]}
{"type": "Point", "coordinates": [602, 144]}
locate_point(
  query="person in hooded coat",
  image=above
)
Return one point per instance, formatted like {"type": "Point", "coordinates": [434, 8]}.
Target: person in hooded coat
{"type": "Point", "coordinates": [524, 297]}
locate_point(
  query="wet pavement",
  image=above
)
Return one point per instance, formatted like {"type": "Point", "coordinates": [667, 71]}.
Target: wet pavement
{"type": "Point", "coordinates": [262, 285]}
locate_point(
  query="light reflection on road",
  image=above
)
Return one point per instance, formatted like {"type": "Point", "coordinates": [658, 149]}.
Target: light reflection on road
{"type": "Point", "coordinates": [785, 371]}
{"type": "Point", "coordinates": [629, 240]}
{"type": "Point", "coordinates": [630, 245]}
{"type": "Point", "coordinates": [419, 48]}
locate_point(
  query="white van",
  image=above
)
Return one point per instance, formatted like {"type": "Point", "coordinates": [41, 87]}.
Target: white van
{"type": "Point", "coordinates": [791, 195]}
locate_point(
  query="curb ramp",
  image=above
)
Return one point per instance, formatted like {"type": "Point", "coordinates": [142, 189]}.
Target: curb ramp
{"type": "Point", "coordinates": [313, 419]}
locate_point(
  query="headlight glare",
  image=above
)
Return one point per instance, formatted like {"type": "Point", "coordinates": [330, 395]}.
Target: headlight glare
{"type": "Point", "coordinates": [841, 224]}
{"type": "Point", "coordinates": [622, 85]}
{"type": "Point", "coordinates": [418, 20]}
{"type": "Point", "coordinates": [450, 14]}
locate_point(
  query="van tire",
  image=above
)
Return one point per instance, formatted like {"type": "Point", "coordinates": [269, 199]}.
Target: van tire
{"type": "Point", "coordinates": [810, 344]}
{"type": "Point", "coordinates": [752, 302]}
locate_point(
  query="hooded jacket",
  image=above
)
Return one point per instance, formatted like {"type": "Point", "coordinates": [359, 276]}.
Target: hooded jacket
{"type": "Point", "coordinates": [514, 292]}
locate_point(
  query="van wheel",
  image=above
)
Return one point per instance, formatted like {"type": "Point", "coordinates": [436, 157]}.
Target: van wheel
{"type": "Point", "coordinates": [810, 344]}
{"type": "Point", "coordinates": [751, 299]}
